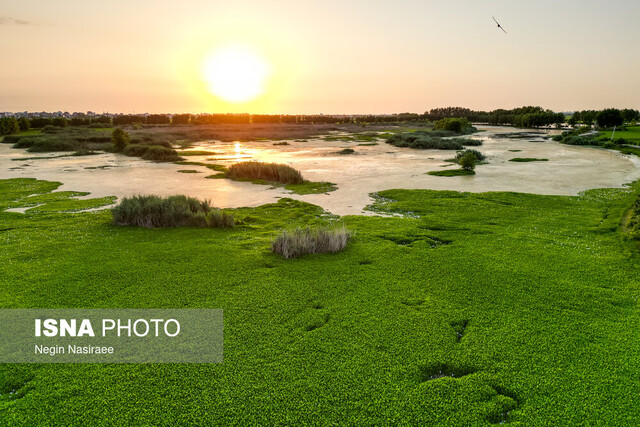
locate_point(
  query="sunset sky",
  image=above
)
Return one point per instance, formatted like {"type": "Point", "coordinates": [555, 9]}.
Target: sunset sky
{"type": "Point", "coordinates": [348, 56]}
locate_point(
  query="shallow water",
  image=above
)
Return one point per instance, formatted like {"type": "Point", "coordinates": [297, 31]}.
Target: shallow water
{"type": "Point", "coordinates": [569, 170]}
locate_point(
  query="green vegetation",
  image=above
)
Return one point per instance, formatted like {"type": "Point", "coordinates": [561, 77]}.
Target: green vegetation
{"type": "Point", "coordinates": [478, 156]}
{"type": "Point", "coordinates": [427, 140]}
{"type": "Point", "coordinates": [217, 168]}
{"type": "Point", "coordinates": [52, 139]}
{"type": "Point", "coordinates": [459, 126]}
{"type": "Point", "coordinates": [85, 140]}
{"type": "Point", "coordinates": [275, 174]}
{"type": "Point", "coordinates": [120, 139]}
{"type": "Point", "coordinates": [633, 222]}
{"type": "Point", "coordinates": [472, 309]}
{"type": "Point", "coordinates": [157, 153]}
{"type": "Point", "coordinates": [609, 118]}
{"type": "Point", "coordinates": [173, 211]}
{"type": "Point", "coordinates": [8, 126]}
{"type": "Point", "coordinates": [347, 151]}
{"type": "Point", "coordinates": [527, 159]}
{"type": "Point", "coordinates": [631, 134]}
{"type": "Point", "coordinates": [188, 171]}
{"type": "Point", "coordinates": [311, 187]}
{"type": "Point", "coordinates": [452, 172]}
{"type": "Point", "coordinates": [468, 160]}
{"type": "Point", "coordinates": [582, 136]}
{"type": "Point", "coordinates": [355, 137]}
{"type": "Point", "coordinates": [293, 244]}
{"type": "Point", "coordinates": [185, 153]}
{"type": "Point", "coordinates": [272, 172]}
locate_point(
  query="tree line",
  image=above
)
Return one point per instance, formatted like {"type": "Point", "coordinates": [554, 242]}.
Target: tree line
{"type": "Point", "coordinates": [528, 116]}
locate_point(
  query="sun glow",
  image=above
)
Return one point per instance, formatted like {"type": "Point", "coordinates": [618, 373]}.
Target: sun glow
{"type": "Point", "coordinates": [236, 74]}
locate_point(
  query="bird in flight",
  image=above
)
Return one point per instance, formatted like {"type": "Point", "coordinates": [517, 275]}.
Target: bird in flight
{"type": "Point", "coordinates": [499, 26]}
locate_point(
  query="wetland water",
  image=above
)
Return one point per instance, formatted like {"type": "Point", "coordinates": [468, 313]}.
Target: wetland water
{"type": "Point", "coordinates": [568, 171]}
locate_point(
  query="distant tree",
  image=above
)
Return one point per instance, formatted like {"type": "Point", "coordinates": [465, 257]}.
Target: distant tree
{"type": "Point", "coordinates": [40, 122]}
{"type": "Point", "coordinates": [24, 124]}
{"type": "Point", "coordinates": [629, 115]}
{"type": "Point", "coordinates": [587, 117]}
{"type": "Point", "coordinates": [181, 119]}
{"type": "Point", "coordinates": [8, 126]}
{"type": "Point", "coordinates": [60, 121]}
{"type": "Point", "coordinates": [101, 119]}
{"type": "Point", "coordinates": [120, 139]}
{"type": "Point", "coordinates": [79, 121]}
{"type": "Point", "coordinates": [573, 120]}
{"type": "Point", "coordinates": [158, 119]}
{"type": "Point", "coordinates": [609, 118]}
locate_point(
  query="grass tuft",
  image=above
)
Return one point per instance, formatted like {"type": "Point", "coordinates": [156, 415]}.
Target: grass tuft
{"type": "Point", "coordinates": [265, 171]}
{"type": "Point", "coordinates": [172, 211]}
{"type": "Point", "coordinates": [303, 241]}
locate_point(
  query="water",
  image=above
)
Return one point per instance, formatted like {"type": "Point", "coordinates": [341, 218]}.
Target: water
{"type": "Point", "coordinates": [373, 168]}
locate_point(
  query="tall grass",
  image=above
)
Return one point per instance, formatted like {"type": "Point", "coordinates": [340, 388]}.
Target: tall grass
{"type": "Point", "coordinates": [172, 211]}
{"type": "Point", "coordinates": [156, 153]}
{"type": "Point", "coordinates": [265, 171]}
{"type": "Point", "coordinates": [302, 241]}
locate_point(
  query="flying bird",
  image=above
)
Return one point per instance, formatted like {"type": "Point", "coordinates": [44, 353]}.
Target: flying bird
{"type": "Point", "coordinates": [499, 26]}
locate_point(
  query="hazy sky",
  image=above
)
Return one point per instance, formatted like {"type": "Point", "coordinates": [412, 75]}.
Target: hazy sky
{"type": "Point", "coordinates": [333, 56]}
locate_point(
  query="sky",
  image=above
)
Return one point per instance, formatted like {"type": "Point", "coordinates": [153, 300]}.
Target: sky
{"type": "Point", "coordinates": [330, 57]}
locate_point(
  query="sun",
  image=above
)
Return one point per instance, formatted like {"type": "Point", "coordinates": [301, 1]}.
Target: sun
{"type": "Point", "coordinates": [235, 74]}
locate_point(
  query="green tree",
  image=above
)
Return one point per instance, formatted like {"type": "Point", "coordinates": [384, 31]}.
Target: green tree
{"type": "Point", "coordinates": [24, 124]}
{"type": "Point", "coordinates": [630, 115]}
{"type": "Point", "coordinates": [60, 121]}
{"type": "Point", "coordinates": [609, 118]}
{"type": "Point", "coordinates": [468, 161]}
{"type": "Point", "coordinates": [8, 126]}
{"type": "Point", "coordinates": [120, 139]}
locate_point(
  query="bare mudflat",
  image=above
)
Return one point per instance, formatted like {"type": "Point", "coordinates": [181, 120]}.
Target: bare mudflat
{"type": "Point", "coordinates": [568, 170]}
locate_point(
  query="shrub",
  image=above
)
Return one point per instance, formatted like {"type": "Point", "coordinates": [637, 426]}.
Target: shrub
{"type": "Point", "coordinates": [478, 155]}
{"type": "Point", "coordinates": [51, 129]}
{"type": "Point", "coordinates": [99, 125]}
{"type": "Point", "coordinates": [265, 171]}
{"type": "Point", "coordinates": [456, 125]}
{"type": "Point", "coordinates": [159, 153]}
{"type": "Point", "coordinates": [156, 153]}
{"type": "Point", "coordinates": [347, 151]}
{"type": "Point", "coordinates": [11, 139]}
{"type": "Point", "coordinates": [468, 161]}
{"type": "Point", "coordinates": [44, 145]}
{"type": "Point", "coordinates": [218, 218]}
{"type": "Point", "coordinates": [172, 211]}
{"type": "Point", "coordinates": [292, 244]}
{"type": "Point", "coordinates": [120, 139]}
{"type": "Point", "coordinates": [135, 150]}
